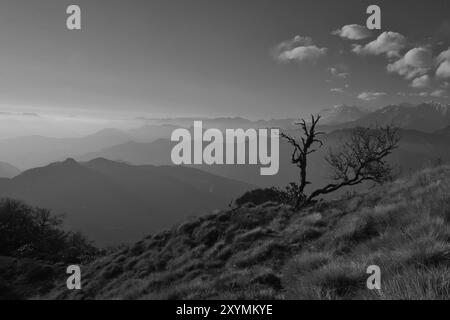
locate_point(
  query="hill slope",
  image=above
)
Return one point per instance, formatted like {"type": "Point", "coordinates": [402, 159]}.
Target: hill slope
{"type": "Point", "coordinates": [7, 170]}
{"type": "Point", "coordinates": [270, 251]}
{"type": "Point", "coordinates": [114, 202]}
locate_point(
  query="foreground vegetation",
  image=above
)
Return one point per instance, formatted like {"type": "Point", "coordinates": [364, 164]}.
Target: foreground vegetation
{"type": "Point", "coordinates": [35, 249]}
{"type": "Point", "coordinates": [271, 251]}
{"type": "Point", "coordinates": [29, 232]}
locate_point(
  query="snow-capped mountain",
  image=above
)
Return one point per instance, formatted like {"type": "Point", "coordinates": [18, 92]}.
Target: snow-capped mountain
{"type": "Point", "coordinates": [341, 114]}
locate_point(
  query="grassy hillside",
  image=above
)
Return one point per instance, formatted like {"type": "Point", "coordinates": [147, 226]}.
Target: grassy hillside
{"type": "Point", "coordinates": [22, 278]}
{"type": "Point", "coordinates": [270, 251]}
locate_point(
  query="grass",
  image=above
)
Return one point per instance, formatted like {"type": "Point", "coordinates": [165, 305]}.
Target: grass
{"type": "Point", "coordinates": [273, 252]}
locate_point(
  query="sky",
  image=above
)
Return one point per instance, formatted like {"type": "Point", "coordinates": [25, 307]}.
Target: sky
{"type": "Point", "coordinates": [252, 58]}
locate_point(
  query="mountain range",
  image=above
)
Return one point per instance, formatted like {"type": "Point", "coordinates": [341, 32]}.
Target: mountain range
{"type": "Point", "coordinates": [137, 189]}
{"type": "Point", "coordinates": [114, 202]}
{"type": "Point", "coordinates": [417, 150]}
{"type": "Point", "coordinates": [34, 151]}
{"type": "Point", "coordinates": [7, 170]}
{"type": "Point", "coordinates": [341, 114]}
{"type": "Point", "coordinates": [426, 117]}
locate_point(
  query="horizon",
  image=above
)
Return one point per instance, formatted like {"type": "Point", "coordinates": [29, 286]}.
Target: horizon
{"type": "Point", "coordinates": [50, 125]}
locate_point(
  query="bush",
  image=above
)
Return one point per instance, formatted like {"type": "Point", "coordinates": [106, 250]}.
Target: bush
{"type": "Point", "coordinates": [30, 232]}
{"type": "Point", "coordinates": [260, 196]}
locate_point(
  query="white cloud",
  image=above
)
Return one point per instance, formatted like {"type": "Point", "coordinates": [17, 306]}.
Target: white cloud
{"type": "Point", "coordinates": [369, 96]}
{"type": "Point", "coordinates": [389, 43]}
{"type": "Point", "coordinates": [439, 93]}
{"type": "Point", "coordinates": [353, 32]}
{"type": "Point", "coordinates": [420, 94]}
{"type": "Point", "coordinates": [416, 62]}
{"type": "Point", "coordinates": [421, 82]}
{"type": "Point", "coordinates": [443, 71]}
{"type": "Point", "coordinates": [303, 54]}
{"type": "Point", "coordinates": [338, 73]}
{"type": "Point", "coordinates": [444, 55]}
{"type": "Point", "coordinates": [299, 49]}
{"type": "Point", "coordinates": [443, 60]}
{"type": "Point", "coordinates": [337, 90]}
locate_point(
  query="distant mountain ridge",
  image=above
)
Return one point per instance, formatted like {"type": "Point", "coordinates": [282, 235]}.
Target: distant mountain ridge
{"type": "Point", "coordinates": [7, 170]}
{"type": "Point", "coordinates": [417, 150]}
{"type": "Point", "coordinates": [224, 122]}
{"type": "Point", "coordinates": [33, 151]}
{"type": "Point", "coordinates": [114, 202]}
{"type": "Point", "coordinates": [427, 117]}
{"type": "Point", "coordinates": [341, 114]}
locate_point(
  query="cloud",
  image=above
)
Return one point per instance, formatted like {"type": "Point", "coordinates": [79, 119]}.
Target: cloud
{"type": "Point", "coordinates": [389, 43]}
{"type": "Point", "coordinates": [421, 82]}
{"type": "Point", "coordinates": [299, 49]}
{"type": "Point", "coordinates": [420, 94]}
{"type": "Point", "coordinates": [369, 96]}
{"type": "Point", "coordinates": [440, 93]}
{"type": "Point", "coordinates": [303, 54]}
{"type": "Point", "coordinates": [443, 71]}
{"type": "Point", "coordinates": [443, 60]}
{"type": "Point", "coordinates": [337, 90]}
{"type": "Point", "coordinates": [338, 73]}
{"type": "Point", "coordinates": [416, 62]}
{"type": "Point", "coordinates": [353, 32]}
{"type": "Point", "coordinates": [444, 55]}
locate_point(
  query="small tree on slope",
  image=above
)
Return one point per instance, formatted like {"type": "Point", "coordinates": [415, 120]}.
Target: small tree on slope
{"type": "Point", "coordinates": [361, 158]}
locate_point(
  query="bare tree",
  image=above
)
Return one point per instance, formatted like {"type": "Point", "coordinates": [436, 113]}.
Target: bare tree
{"type": "Point", "coordinates": [302, 149]}
{"type": "Point", "coordinates": [361, 158]}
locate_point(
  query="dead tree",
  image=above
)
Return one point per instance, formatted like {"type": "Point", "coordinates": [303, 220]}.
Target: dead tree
{"type": "Point", "coordinates": [302, 149]}
{"type": "Point", "coordinates": [361, 158]}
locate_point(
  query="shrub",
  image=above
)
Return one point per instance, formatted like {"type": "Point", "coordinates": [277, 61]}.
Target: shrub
{"type": "Point", "coordinates": [30, 232]}
{"type": "Point", "coordinates": [260, 196]}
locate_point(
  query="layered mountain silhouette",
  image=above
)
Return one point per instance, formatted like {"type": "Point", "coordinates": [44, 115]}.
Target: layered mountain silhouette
{"type": "Point", "coordinates": [417, 150]}
{"type": "Point", "coordinates": [114, 202]}
{"type": "Point", "coordinates": [7, 170]}
{"type": "Point", "coordinates": [149, 132]}
{"type": "Point", "coordinates": [33, 151]}
{"type": "Point", "coordinates": [223, 123]}
{"type": "Point", "coordinates": [138, 190]}
{"type": "Point", "coordinates": [427, 117]}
